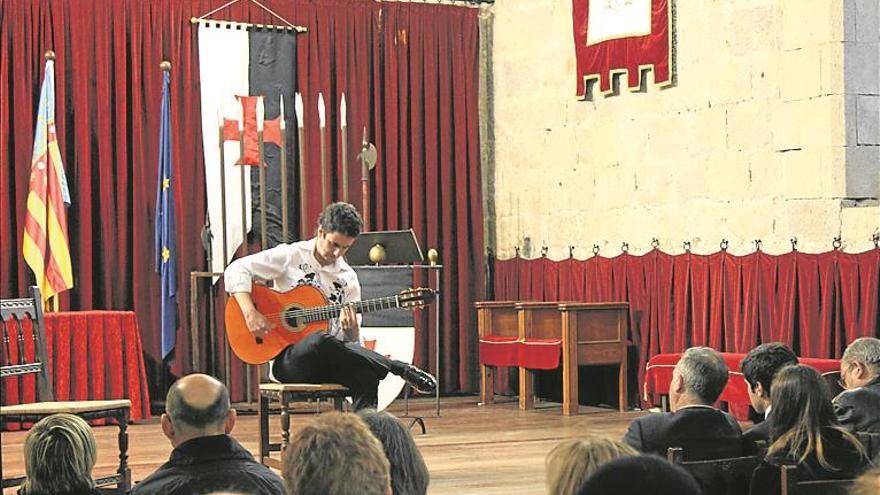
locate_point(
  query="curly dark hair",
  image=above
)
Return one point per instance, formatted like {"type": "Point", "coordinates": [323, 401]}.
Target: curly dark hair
{"type": "Point", "coordinates": [762, 363]}
{"type": "Point", "coordinates": [342, 218]}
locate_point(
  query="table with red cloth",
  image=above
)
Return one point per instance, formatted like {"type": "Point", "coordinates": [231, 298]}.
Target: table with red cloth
{"type": "Point", "coordinates": [658, 376]}
{"type": "Point", "coordinates": [93, 355]}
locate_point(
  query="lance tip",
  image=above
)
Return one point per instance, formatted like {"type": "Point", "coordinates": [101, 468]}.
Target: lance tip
{"type": "Point", "coordinates": [165, 66]}
{"type": "Point", "coordinates": [50, 55]}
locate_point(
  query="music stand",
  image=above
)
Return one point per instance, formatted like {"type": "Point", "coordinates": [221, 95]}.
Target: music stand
{"type": "Point", "coordinates": [400, 247]}
{"type": "Point", "coordinates": [396, 247]}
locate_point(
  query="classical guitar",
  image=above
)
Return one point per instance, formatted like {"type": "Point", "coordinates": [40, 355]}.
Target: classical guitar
{"type": "Point", "coordinates": [297, 313]}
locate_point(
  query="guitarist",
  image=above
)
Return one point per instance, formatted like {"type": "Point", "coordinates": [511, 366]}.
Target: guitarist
{"type": "Point", "coordinates": [335, 356]}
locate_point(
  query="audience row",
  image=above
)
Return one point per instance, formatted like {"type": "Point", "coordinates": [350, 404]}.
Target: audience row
{"type": "Point", "coordinates": [372, 453]}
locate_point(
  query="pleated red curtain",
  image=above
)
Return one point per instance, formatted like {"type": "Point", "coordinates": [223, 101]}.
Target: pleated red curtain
{"type": "Point", "coordinates": [816, 303]}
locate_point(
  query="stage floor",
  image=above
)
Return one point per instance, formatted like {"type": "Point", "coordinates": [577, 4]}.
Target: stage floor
{"type": "Point", "coordinates": [476, 449]}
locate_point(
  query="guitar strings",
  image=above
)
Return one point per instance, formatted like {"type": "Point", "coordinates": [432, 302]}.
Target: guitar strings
{"type": "Point", "coordinates": [332, 311]}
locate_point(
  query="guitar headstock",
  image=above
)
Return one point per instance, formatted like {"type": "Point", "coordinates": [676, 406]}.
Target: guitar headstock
{"type": "Point", "coordinates": [416, 298]}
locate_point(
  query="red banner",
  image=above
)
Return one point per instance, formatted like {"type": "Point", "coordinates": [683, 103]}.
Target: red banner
{"type": "Point", "coordinates": [621, 37]}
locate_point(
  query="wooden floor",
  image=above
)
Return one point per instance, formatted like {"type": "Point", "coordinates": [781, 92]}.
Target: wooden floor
{"type": "Point", "coordinates": [493, 449]}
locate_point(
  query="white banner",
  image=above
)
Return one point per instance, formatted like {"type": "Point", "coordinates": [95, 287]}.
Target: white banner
{"type": "Point", "coordinates": [223, 68]}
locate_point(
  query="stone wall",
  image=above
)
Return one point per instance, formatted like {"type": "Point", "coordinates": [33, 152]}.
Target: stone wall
{"type": "Point", "coordinates": [766, 135]}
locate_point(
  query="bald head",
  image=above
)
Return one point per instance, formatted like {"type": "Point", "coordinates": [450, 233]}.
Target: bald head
{"type": "Point", "coordinates": [197, 402]}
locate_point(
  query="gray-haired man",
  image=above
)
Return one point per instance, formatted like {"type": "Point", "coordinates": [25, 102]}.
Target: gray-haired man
{"type": "Point", "coordinates": [858, 407]}
{"type": "Point", "coordinates": [694, 424]}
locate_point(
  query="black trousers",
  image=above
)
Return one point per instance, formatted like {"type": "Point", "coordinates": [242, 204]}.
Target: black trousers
{"type": "Point", "coordinates": [321, 358]}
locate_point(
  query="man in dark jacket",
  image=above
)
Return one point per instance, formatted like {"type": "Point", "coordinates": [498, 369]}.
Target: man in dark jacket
{"type": "Point", "coordinates": [758, 368]}
{"type": "Point", "coordinates": [858, 407]}
{"type": "Point", "coordinates": [205, 458]}
{"type": "Point", "coordinates": [694, 425]}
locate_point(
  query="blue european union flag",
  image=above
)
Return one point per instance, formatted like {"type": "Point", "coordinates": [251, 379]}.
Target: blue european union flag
{"type": "Point", "coordinates": [165, 245]}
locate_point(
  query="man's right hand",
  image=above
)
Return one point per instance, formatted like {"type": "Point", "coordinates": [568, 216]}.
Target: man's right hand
{"type": "Point", "coordinates": [257, 323]}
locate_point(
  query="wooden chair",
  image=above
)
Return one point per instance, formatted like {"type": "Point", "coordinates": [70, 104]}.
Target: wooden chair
{"type": "Point", "coordinates": [719, 476]}
{"type": "Point", "coordinates": [15, 334]}
{"type": "Point", "coordinates": [791, 485]}
{"type": "Point", "coordinates": [498, 330]}
{"type": "Point", "coordinates": [285, 394]}
{"type": "Point", "coordinates": [541, 323]}
{"type": "Point", "coordinates": [593, 334]}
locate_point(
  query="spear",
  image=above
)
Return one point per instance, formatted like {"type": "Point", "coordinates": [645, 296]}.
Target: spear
{"type": "Point", "coordinates": [283, 173]}
{"type": "Point", "coordinates": [323, 125]}
{"type": "Point", "coordinates": [298, 108]}
{"type": "Point", "coordinates": [343, 129]}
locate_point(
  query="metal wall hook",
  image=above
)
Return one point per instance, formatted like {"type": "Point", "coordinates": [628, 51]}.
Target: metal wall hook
{"type": "Point", "coordinates": [571, 251]}
{"type": "Point", "coordinates": [836, 243]}
{"type": "Point", "coordinates": [687, 246]}
{"type": "Point", "coordinates": [876, 238]}
{"type": "Point", "coordinates": [724, 244]}
{"type": "Point", "coordinates": [758, 244]}
{"type": "Point", "coordinates": [544, 250]}
{"type": "Point", "coordinates": [624, 247]}
{"type": "Point", "coordinates": [794, 243]}
{"type": "Point", "coordinates": [516, 249]}
{"type": "Point", "coordinates": [595, 250]}
{"type": "Point", "coordinates": [655, 243]}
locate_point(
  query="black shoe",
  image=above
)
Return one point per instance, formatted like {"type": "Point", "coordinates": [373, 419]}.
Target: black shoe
{"type": "Point", "coordinates": [420, 380]}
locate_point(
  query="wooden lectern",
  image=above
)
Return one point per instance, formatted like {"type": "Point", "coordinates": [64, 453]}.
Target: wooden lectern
{"type": "Point", "coordinates": [592, 334]}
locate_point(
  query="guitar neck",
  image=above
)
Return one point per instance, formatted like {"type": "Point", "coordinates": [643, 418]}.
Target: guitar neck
{"type": "Point", "coordinates": [331, 311]}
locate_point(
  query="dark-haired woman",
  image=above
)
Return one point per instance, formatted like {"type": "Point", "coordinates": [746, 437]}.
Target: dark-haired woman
{"type": "Point", "coordinates": [409, 474]}
{"type": "Point", "coordinates": [805, 433]}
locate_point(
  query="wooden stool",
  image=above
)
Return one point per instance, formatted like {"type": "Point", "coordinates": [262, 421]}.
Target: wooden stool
{"type": "Point", "coordinates": [285, 393]}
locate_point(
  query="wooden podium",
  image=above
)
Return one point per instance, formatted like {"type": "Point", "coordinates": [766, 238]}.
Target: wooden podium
{"type": "Point", "coordinates": [592, 334]}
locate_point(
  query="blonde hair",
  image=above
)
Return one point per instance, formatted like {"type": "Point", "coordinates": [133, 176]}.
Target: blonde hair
{"type": "Point", "coordinates": [868, 483]}
{"type": "Point", "coordinates": [59, 454]}
{"type": "Point", "coordinates": [336, 455]}
{"type": "Point", "coordinates": [571, 462]}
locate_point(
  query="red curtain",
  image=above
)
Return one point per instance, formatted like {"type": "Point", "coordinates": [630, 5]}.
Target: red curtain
{"type": "Point", "coordinates": [816, 303]}
{"type": "Point", "coordinates": [409, 72]}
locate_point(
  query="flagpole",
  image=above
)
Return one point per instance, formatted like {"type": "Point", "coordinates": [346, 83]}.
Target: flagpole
{"type": "Point", "coordinates": [343, 129]}
{"type": "Point", "coordinates": [283, 172]}
{"type": "Point", "coordinates": [227, 368]}
{"type": "Point", "coordinates": [323, 126]}
{"type": "Point", "coordinates": [260, 115]}
{"type": "Point", "coordinates": [244, 241]}
{"type": "Point", "coordinates": [300, 124]}
{"type": "Point", "coordinates": [365, 182]}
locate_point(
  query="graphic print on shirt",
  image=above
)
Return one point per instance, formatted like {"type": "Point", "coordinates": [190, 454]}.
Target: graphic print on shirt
{"type": "Point", "coordinates": [337, 293]}
{"type": "Point", "coordinates": [309, 277]}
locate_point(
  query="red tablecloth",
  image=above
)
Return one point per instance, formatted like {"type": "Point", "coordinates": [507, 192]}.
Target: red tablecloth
{"type": "Point", "coordinates": [93, 355]}
{"type": "Point", "coordinates": [658, 376]}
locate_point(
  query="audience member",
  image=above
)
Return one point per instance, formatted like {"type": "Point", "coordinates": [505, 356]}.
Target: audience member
{"type": "Point", "coordinates": [694, 425]}
{"type": "Point", "coordinates": [758, 368]}
{"type": "Point", "coordinates": [858, 407]}
{"type": "Point", "coordinates": [198, 421]}
{"type": "Point", "coordinates": [59, 454]}
{"type": "Point", "coordinates": [868, 483]}
{"type": "Point", "coordinates": [409, 474]}
{"type": "Point", "coordinates": [640, 475]}
{"type": "Point", "coordinates": [336, 455]}
{"type": "Point", "coordinates": [572, 461]}
{"type": "Point", "coordinates": [805, 433]}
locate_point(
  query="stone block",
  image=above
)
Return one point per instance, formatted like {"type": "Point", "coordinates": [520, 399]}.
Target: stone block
{"type": "Point", "coordinates": [857, 225]}
{"type": "Point", "coordinates": [863, 171]}
{"type": "Point", "coordinates": [862, 68]}
{"type": "Point", "coordinates": [785, 118]}
{"type": "Point", "coordinates": [832, 68]}
{"type": "Point", "coordinates": [868, 118]}
{"type": "Point", "coordinates": [800, 73]}
{"type": "Point", "coordinates": [867, 21]}
{"type": "Point", "coordinates": [748, 126]}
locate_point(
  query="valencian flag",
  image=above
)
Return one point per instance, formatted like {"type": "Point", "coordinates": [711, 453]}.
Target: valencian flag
{"type": "Point", "coordinates": [45, 247]}
{"type": "Point", "coordinates": [166, 254]}
{"type": "Point", "coordinates": [237, 65]}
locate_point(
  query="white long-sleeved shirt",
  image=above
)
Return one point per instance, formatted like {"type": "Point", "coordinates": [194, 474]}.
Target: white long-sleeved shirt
{"type": "Point", "coordinates": [290, 265]}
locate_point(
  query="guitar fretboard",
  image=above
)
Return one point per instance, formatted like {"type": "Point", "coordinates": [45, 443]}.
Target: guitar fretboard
{"type": "Point", "coordinates": [322, 313]}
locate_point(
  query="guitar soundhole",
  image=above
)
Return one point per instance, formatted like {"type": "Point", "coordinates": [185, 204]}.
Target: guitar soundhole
{"type": "Point", "coordinates": [291, 322]}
